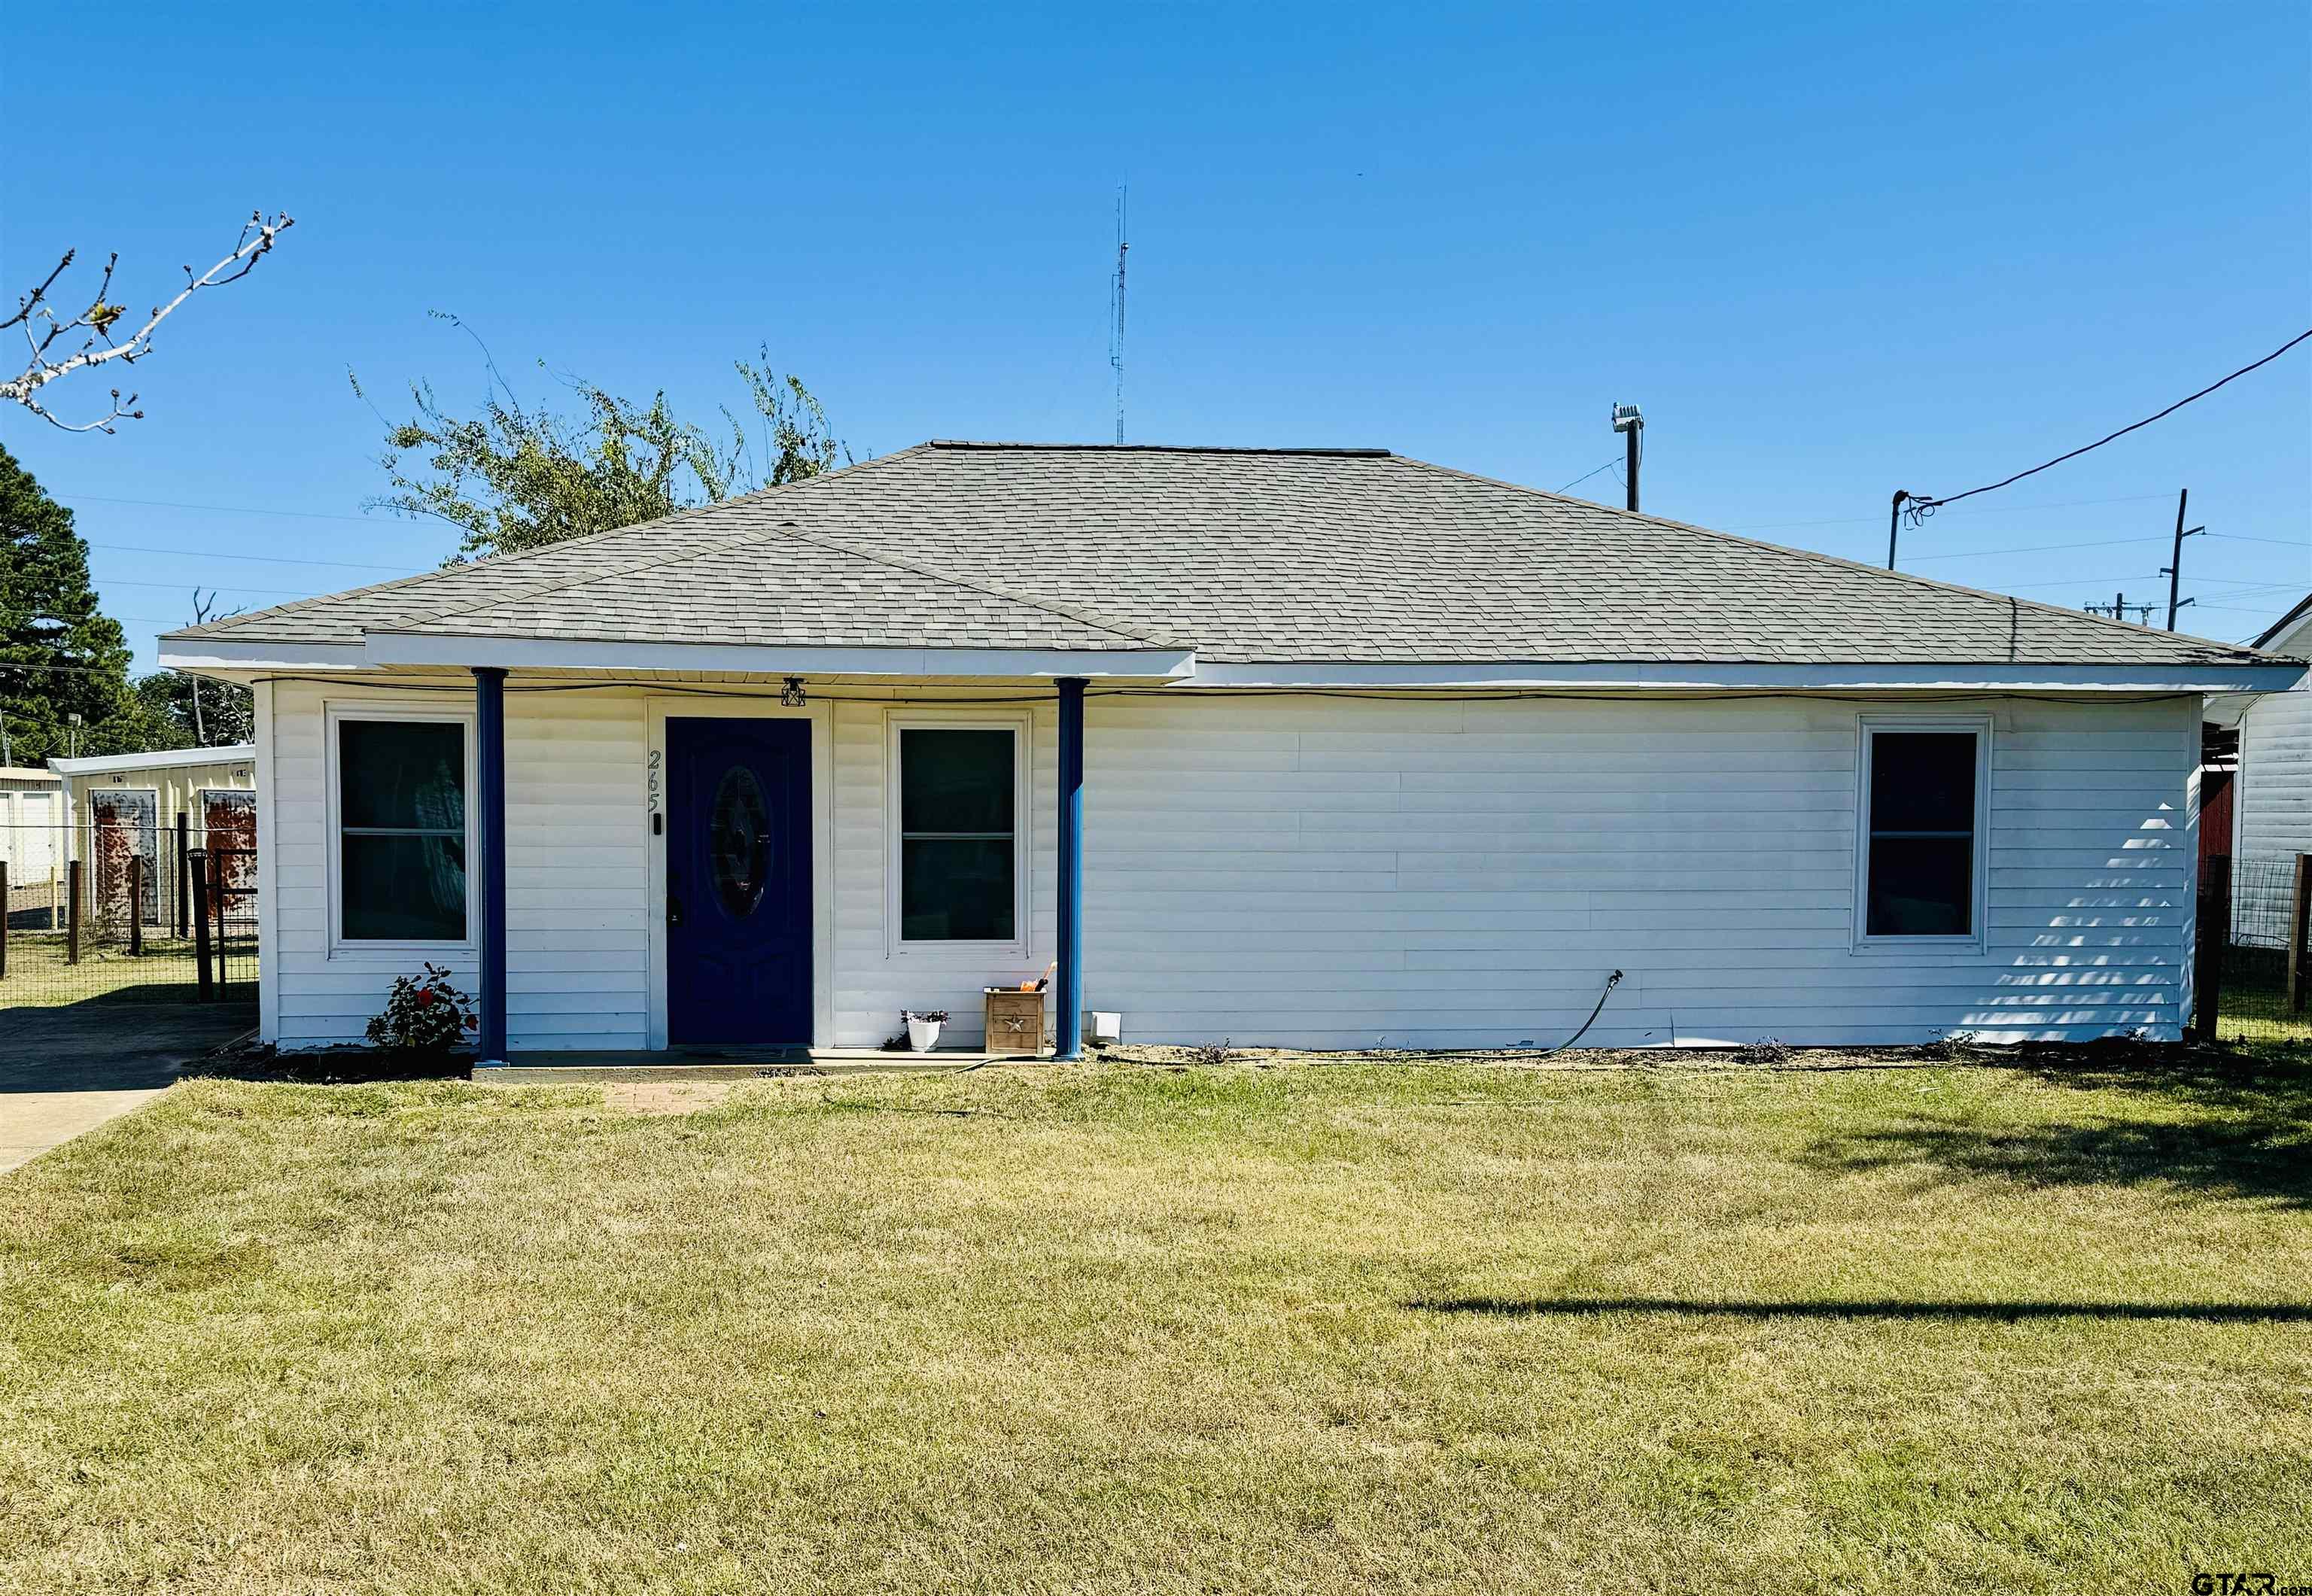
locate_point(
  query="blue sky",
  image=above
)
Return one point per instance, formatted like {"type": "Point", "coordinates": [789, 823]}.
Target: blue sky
{"type": "Point", "coordinates": [1832, 251]}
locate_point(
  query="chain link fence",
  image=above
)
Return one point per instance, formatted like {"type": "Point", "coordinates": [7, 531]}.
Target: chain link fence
{"type": "Point", "coordinates": [2256, 901]}
{"type": "Point", "coordinates": [124, 909]}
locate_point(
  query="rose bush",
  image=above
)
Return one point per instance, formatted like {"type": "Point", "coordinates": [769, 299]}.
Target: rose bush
{"type": "Point", "coordinates": [424, 1013]}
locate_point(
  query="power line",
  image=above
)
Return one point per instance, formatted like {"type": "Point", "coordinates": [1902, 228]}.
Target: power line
{"type": "Point", "coordinates": [1921, 506]}
{"type": "Point", "coordinates": [1586, 476]}
{"type": "Point", "coordinates": [294, 515]}
{"type": "Point", "coordinates": [1872, 521]}
{"type": "Point", "coordinates": [2036, 548]}
{"type": "Point", "coordinates": [122, 582]}
{"type": "Point", "coordinates": [138, 548]}
{"type": "Point", "coordinates": [2070, 580]}
{"type": "Point", "coordinates": [2286, 543]}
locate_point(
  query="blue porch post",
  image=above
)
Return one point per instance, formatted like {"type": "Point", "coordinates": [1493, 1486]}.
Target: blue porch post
{"type": "Point", "coordinates": [1068, 991]}
{"type": "Point", "coordinates": [488, 870]}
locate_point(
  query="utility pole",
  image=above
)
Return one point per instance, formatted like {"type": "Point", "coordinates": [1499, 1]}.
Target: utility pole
{"type": "Point", "coordinates": [1630, 424]}
{"type": "Point", "coordinates": [2118, 608]}
{"type": "Point", "coordinates": [2174, 570]}
{"type": "Point", "coordinates": [1893, 523]}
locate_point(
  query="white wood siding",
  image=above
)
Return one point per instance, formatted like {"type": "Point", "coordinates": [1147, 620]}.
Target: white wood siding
{"type": "Point", "coordinates": [2273, 798]}
{"type": "Point", "coordinates": [1336, 874]}
{"type": "Point", "coordinates": [873, 980]}
{"type": "Point", "coordinates": [576, 935]}
{"type": "Point", "coordinates": [1333, 873]}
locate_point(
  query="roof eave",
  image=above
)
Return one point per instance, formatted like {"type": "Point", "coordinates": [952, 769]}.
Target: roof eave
{"type": "Point", "coordinates": [1862, 676]}
{"type": "Point", "coordinates": [1180, 668]}
{"type": "Point", "coordinates": [102, 764]}
{"type": "Point", "coordinates": [202, 654]}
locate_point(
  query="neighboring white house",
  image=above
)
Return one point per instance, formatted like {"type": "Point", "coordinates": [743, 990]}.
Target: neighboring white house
{"type": "Point", "coordinates": [32, 840]}
{"type": "Point", "coordinates": [1329, 748]}
{"type": "Point", "coordinates": [2271, 815]}
{"type": "Point", "coordinates": [160, 806]}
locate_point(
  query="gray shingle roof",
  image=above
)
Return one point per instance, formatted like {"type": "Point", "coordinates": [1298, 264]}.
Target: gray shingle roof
{"type": "Point", "coordinates": [1247, 555]}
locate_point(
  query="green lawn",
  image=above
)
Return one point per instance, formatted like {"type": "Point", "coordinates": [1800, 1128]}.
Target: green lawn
{"type": "Point", "coordinates": [39, 975]}
{"type": "Point", "coordinates": [1121, 1327]}
{"type": "Point", "coordinates": [2254, 1005]}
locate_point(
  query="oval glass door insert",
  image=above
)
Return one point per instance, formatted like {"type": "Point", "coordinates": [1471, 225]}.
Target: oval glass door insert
{"type": "Point", "coordinates": [738, 841]}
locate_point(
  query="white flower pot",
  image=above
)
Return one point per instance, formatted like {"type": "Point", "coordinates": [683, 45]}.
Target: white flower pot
{"type": "Point", "coordinates": [922, 1035]}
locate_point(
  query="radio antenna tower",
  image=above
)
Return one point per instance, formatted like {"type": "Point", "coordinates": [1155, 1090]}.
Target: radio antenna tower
{"type": "Point", "coordinates": [1115, 307]}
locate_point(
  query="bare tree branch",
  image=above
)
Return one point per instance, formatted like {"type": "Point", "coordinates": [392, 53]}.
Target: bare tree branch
{"type": "Point", "coordinates": [43, 326]}
{"type": "Point", "coordinates": [24, 309]}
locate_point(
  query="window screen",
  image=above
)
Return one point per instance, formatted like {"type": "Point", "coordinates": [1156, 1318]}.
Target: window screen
{"type": "Point", "coordinates": [957, 836]}
{"type": "Point", "coordinates": [401, 817]}
{"type": "Point", "coordinates": [1922, 834]}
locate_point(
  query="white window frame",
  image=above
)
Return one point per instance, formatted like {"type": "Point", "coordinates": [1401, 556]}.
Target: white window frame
{"type": "Point", "coordinates": [1021, 725]}
{"type": "Point", "coordinates": [1979, 887]}
{"type": "Point", "coordinates": [359, 948]}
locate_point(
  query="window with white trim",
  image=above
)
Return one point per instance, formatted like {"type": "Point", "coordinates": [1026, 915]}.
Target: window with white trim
{"type": "Point", "coordinates": [959, 832]}
{"type": "Point", "coordinates": [1923, 786]}
{"type": "Point", "coordinates": [401, 824]}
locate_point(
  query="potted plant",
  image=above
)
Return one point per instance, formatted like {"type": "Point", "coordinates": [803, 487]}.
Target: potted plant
{"type": "Point", "coordinates": [924, 1027]}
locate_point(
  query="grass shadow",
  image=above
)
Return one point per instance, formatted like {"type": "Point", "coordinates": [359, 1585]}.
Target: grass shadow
{"type": "Point", "coordinates": [1875, 1308]}
{"type": "Point", "coordinates": [2216, 1123]}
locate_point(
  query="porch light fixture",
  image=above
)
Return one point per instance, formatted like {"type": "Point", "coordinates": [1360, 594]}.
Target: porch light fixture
{"type": "Point", "coordinates": [792, 695]}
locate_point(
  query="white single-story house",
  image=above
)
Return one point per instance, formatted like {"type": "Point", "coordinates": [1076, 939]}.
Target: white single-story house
{"type": "Point", "coordinates": [1318, 747]}
{"type": "Point", "coordinates": [160, 806]}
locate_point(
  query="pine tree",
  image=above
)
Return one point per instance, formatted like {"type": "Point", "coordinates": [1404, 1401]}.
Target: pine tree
{"type": "Point", "coordinates": [59, 654]}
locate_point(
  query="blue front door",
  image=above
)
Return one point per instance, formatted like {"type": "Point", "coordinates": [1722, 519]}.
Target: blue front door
{"type": "Point", "coordinates": [738, 881]}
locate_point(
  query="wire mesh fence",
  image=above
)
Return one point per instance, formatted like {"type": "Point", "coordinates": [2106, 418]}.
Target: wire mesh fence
{"type": "Point", "coordinates": [2258, 903]}
{"type": "Point", "coordinates": [122, 909]}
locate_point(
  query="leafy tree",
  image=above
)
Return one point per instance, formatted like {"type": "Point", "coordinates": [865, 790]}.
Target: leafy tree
{"type": "Point", "coordinates": [59, 655]}
{"type": "Point", "coordinates": [514, 478]}
{"type": "Point", "coordinates": [227, 712]}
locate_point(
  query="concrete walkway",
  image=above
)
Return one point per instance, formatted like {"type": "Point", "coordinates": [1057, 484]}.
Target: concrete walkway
{"type": "Point", "coordinates": [63, 1071]}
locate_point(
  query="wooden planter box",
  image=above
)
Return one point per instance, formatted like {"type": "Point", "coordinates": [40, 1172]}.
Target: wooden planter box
{"type": "Point", "coordinates": [1015, 1023]}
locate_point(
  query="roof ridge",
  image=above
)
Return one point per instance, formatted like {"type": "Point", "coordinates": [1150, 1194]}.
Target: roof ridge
{"type": "Point", "coordinates": [1342, 450]}
{"type": "Point", "coordinates": [1083, 617]}
{"type": "Point", "coordinates": [1931, 583]}
{"type": "Point", "coordinates": [516, 556]}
